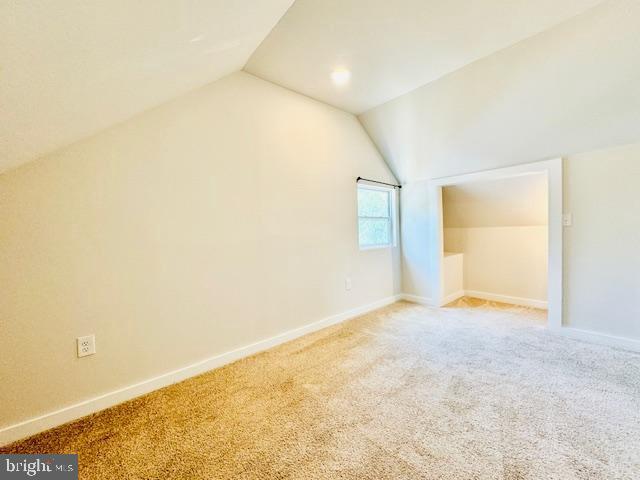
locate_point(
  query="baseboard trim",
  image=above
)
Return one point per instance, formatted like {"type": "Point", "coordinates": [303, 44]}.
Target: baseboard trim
{"type": "Point", "coordinates": [452, 297]}
{"type": "Point", "coordinates": [527, 302]}
{"type": "Point", "coordinates": [495, 297]}
{"type": "Point", "coordinates": [416, 299]}
{"type": "Point", "coordinates": [599, 338]}
{"type": "Point", "coordinates": [67, 414]}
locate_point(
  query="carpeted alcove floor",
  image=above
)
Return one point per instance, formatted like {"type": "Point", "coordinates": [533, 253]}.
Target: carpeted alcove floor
{"type": "Point", "coordinates": [476, 390]}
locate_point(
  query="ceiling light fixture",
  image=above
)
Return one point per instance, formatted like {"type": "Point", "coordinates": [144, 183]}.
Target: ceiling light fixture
{"type": "Point", "coordinates": [340, 76]}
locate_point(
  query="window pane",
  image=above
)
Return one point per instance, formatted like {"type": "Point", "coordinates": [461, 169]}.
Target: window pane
{"type": "Point", "coordinates": [373, 203]}
{"type": "Point", "coordinates": [374, 231]}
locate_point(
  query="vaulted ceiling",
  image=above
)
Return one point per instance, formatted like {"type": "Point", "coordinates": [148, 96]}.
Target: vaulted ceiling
{"type": "Point", "coordinates": [71, 68]}
{"type": "Point", "coordinates": [570, 89]}
{"type": "Point", "coordinates": [392, 47]}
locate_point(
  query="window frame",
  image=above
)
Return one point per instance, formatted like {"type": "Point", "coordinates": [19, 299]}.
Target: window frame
{"type": "Point", "coordinates": [391, 191]}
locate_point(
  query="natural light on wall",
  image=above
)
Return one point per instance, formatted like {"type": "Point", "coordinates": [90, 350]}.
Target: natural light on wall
{"type": "Point", "coordinates": [375, 217]}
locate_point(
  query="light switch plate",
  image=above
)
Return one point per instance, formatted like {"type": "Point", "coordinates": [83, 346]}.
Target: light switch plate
{"type": "Point", "coordinates": [567, 219]}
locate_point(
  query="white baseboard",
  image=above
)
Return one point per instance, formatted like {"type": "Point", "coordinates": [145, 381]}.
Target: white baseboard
{"type": "Point", "coordinates": [527, 302]}
{"type": "Point", "coordinates": [67, 414]}
{"type": "Point", "coordinates": [599, 338]}
{"type": "Point", "coordinates": [452, 297]}
{"type": "Point", "coordinates": [416, 299]}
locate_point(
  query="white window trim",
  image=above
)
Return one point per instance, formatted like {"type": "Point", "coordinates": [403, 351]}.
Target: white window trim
{"type": "Point", "coordinates": [393, 215]}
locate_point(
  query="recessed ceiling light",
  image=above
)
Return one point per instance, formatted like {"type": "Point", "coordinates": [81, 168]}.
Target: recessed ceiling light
{"type": "Point", "coordinates": [340, 76]}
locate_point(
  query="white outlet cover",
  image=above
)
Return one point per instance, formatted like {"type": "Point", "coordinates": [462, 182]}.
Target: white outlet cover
{"type": "Point", "coordinates": [86, 345]}
{"type": "Point", "coordinates": [567, 219]}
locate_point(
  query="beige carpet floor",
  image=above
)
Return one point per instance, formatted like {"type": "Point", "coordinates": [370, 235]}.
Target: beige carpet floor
{"type": "Point", "coordinates": [474, 391]}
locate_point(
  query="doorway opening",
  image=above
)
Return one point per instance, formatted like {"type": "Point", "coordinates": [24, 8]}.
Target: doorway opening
{"type": "Point", "coordinates": [498, 236]}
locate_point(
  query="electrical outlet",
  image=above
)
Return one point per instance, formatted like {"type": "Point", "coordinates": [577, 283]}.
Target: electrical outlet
{"type": "Point", "coordinates": [86, 345]}
{"type": "Point", "coordinates": [567, 219]}
{"type": "Point", "coordinates": [347, 283]}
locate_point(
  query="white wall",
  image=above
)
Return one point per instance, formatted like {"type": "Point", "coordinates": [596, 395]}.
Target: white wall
{"type": "Point", "coordinates": [571, 89]}
{"type": "Point", "coordinates": [602, 248]}
{"type": "Point", "coordinates": [217, 220]}
{"type": "Point", "coordinates": [452, 276]}
{"type": "Point", "coordinates": [501, 227]}
{"type": "Point", "coordinates": [508, 261]}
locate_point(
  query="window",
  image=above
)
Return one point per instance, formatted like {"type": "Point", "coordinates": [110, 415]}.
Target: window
{"type": "Point", "coordinates": [375, 216]}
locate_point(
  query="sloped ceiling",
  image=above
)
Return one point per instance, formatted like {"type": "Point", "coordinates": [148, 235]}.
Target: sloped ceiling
{"type": "Point", "coordinates": [517, 201]}
{"type": "Point", "coordinates": [392, 47]}
{"type": "Point", "coordinates": [573, 88]}
{"type": "Point", "coordinates": [73, 67]}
